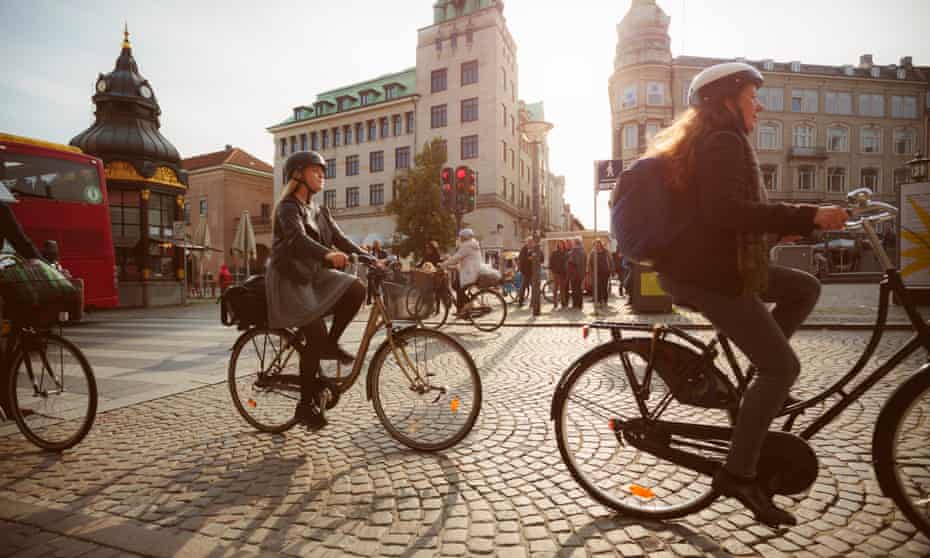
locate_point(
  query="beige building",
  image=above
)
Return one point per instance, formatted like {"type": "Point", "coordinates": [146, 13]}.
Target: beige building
{"type": "Point", "coordinates": [464, 91]}
{"type": "Point", "coordinates": [825, 130]}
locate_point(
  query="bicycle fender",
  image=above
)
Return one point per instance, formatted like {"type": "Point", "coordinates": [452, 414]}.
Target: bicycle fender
{"type": "Point", "coordinates": [559, 392]}
{"type": "Point", "coordinates": [383, 347]}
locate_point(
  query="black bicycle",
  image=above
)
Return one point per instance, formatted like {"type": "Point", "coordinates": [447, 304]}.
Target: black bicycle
{"type": "Point", "coordinates": [644, 422]}
{"type": "Point", "coordinates": [485, 307]}
{"type": "Point", "coordinates": [423, 384]}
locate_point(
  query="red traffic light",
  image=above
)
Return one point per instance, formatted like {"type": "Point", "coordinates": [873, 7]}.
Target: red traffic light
{"type": "Point", "coordinates": [460, 173]}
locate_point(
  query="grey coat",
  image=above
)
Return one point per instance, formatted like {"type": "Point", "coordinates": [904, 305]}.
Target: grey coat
{"type": "Point", "coordinates": [299, 284]}
{"type": "Point", "coordinates": [575, 263]}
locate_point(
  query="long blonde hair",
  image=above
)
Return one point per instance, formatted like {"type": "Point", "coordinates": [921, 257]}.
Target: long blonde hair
{"type": "Point", "coordinates": [288, 189]}
{"type": "Point", "coordinates": [677, 142]}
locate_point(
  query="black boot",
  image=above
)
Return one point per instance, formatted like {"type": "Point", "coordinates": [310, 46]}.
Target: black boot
{"type": "Point", "coordinates": [309, 415]}
{"type": "Point", "coordinates": [751, 494]}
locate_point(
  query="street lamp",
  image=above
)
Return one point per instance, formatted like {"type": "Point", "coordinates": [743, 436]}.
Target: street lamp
{"type": "Point", "coordinates": [919, 168]}
{"type": "Point", "coordinates": [535, 133]}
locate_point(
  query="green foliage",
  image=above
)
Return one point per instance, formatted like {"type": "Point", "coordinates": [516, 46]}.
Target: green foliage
{"type": "Point", "coordinates": [418, 203]}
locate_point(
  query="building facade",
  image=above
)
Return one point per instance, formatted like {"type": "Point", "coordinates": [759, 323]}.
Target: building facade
{"type": "Point", "coordinates": [222, 185]}
{"type": "Point", "coordinates": [825, 130]}
{"type": "Point", "coordinates": [463, 91]}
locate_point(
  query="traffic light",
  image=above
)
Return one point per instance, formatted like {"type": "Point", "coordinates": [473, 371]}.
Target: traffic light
{"type": "Point", "coordinates": [461, 189]}
{"type": "Point", "coordinates": [471, 182]}
{"type": "Point", "coordinates": [445, 184]}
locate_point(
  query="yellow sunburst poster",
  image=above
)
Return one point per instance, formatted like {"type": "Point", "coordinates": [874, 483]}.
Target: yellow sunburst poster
{"type": "Point", "coordinates": [915, 234]}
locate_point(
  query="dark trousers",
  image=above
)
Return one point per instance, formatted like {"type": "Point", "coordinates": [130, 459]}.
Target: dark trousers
{"type": "Point", "coordinates": [319, 341]}
{"type": "Point", "coordinates": [526, 285]}
{"type": "Point", "coordinates": [763, 338]}
{"type": "Point", "coordinates": [577, 285]}
{"type": "Point", "coordinates": [603, 286]}
{"type": "Point", "coordinates": [557, 281]}
{"type": "Point", "coordinates": [563, 289]}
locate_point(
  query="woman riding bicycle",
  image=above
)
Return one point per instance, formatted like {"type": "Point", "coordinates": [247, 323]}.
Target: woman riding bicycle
{"type": "Point", "coordinates": [468, 260]}
{"type": "Point", "coordinates": [720, 263]}
{"type": "Point", "coordinates": [304, 282]}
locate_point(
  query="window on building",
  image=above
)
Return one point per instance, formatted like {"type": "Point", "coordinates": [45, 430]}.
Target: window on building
{"type": "Point", "coordinates": [836, 180]}
{"type": "Point", "coordinates": [372, 130]}
{"type": "Point", "coordinates": [871, 140]}
{"type": "Point", "coordinates": [266, 212]}
{"type": "Point", "coordinates": [303, 142]}
{"type": "Point", "coordinates": [402, 158]}
{"type": "Point", "coordinates": [770, 177]}
{"type": "Point", "coordinates": [203, 207]}
{"type": "Point", "coordinates": [772, 99]}
{"type": "Point", "coordinates": [390, 92]}
{"type": "Point", "coordinates": [904, 142]}
{"type": "Point", "coordinates": [804, 136]}
{"type": "Point", "coordinates": [438, 44]}
{"type": "Point", "coordinates": [126, 226]}
{"type": "Point", "coordinates": [376, 194]}
{"type": "Point", "coordinates": [187, 214]}
{"type": "Point", "coordinates": [504, 78]}
{"type": "Point", "coordinates": [161, 217]}
{"type": "Point", "coordinates": [409, 122]}
{"type": "Point", "coordinates": [795, 66]}
{"type": "Point", "coordinates": [768, 65]}
{"type": "Point", "coordinates": [686, 90]}
{"type": "Point", "coordinates": [438, 80]}
{"type": "Point", "coordinates": [504, 109]}
{"type": "Point", "coordinates": [837, 138]}
{"type": "Point", "coordinates": [629, 96]}
{"type": "Point", "coordinates": [385, 128]}
{"type": "Point", "coordinates": [293, 142]}
{"type": "Point", "coordinates": [347, 131]}
{"type": "Point", "coordinates": [902, 73]}
{"type": "Point", "coordinates": [469, 36]}
{"type": "Point", "coordinates": [352, 165]}
{"type": "Point", "coordinates": [652, 128]}
{"type": "Point", "coordinates": [630, 136]}
{"type": "Point", "coordinates": [337, 137]}
{"type": "Point", "coordinates": [769, 136]}
{"type": "Point", "coordinates": [806, 178]}
{"type": "Point", "coordinates": [329, 198]}
{"type": "Point", "coordinates": [655, 93]}
{"type": "Point", "coordinates": [437, 116]}
{"type": "Point", "coordinates": [900, 176]}
{"type": "Point", "coordinates": [513, 159]}
{"type": "Point", "coordinates": [352, 196]}
{"type": "Point", "coordinates": [470, 109]}
{"type": "Point", "coordinates": [903, 106]}
{"type": "Point", "coordinates": [469, 72]}
{"type": "Point", "coordinates": [314, 141]}
{"type": "Point", "coordinates": [397, 124]}
{"type": "Point", "coordinates": [359, 133]}
{"type": "Point", "coordinates": [454, 40]}
{"type": "Point", "coordinates": [835, 102]}
{"type": "Point", "coordinates": [513, 92]}
{"type": "Point", "coordinates": [804, 100]}
{"type": "Point", "coordinates": [470, 147]}
{"type": "Point", "coordinates": [364, 98]}
{"type": "Point", "coordinates": [376, 161]}
{"type": "Point", "coordinates": [504, 150]}
{"type": "Point", "coordinates": [513, 125]}
{"type": "Point", "coordinates": [324, 135]}
{"type": "Point", "coordinates": [513, 192]}
{"type": "Point", "coordinates": [330, 168]}
{"type": "Point", "coordinates": [503, 186]}
{"type": "Point", "coordinates": [876, 72]}
{"type": "Point", "coordinates": [283, 147]}
{"type": "Point", "coordinates": [868, 178]}
{"type": "Point", "coordinates": [872, 105]}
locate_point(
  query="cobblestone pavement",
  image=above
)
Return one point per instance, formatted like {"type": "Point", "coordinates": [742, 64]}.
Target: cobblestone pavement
{"type": "Point", "coordinates": [184, 475]}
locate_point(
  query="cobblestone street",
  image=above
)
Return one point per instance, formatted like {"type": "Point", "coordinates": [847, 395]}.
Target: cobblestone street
{"type": "Point", "coordinates": [184, 475]}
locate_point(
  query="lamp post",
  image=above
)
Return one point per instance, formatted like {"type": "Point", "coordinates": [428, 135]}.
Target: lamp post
{"type": "Point", "coordinates": [920, 168]}
{"type": "Point", "coordinates": [535, 133]}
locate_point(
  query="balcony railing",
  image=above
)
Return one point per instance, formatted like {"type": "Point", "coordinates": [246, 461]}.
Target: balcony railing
{"type": "Point", "coordinates": [807, 153]}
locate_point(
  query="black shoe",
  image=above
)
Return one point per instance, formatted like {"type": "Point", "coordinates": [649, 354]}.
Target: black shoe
{"type": "Point", "coordinates": [751, 494]}
{"type": "Point", "coordinates": [309, 416]}
{"type": "Point", "coordinates": [335, 352]}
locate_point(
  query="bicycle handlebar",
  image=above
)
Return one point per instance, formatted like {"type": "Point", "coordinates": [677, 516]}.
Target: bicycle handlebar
{"type": "Point", "coordinates": [865, 210]}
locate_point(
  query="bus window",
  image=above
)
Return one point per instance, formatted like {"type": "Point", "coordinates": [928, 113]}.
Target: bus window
{"type": "Point", "coordinates": [56, 179]}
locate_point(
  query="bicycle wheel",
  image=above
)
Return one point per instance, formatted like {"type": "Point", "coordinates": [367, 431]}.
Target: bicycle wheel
{"type": "Point", "coordinates": [548, 292]}
{"type": "Point", "coordinates": [596, 391]}
{"type": "Point", "coordinates": [426, 390]}
{"type": "Point", "coordinates": [53, 390]}
{"type": "Point", "coordinates": [432, 311]}
{"type": "Point", "coordinates": [901, 452]}
{"type": "Point", "coordinates": [264, 378]}
{"type": "Point", "coordinates": [488, 310]}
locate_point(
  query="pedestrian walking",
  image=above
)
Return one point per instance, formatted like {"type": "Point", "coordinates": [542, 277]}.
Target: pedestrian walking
{"type": "Point", "coordinates": [575, 269]}
{"type": "Point", "coordinates": [526, 262]}
{"type": "Point", "coordinates": [601, 279]}
{"type": "Point", "coordinates": [557, 273]}
{"type": "Point", "coordinates": [225, 278]}
{"type": "Point", "coordinates": [719, 263]}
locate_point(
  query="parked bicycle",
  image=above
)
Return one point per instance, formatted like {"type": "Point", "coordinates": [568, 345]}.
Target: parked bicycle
{"type": "Point", "coordinates": [423, 384]}
{"type": "Point", "coordinates": [643, 422]}
{"type": "Point", "coordinates": [484, 306]}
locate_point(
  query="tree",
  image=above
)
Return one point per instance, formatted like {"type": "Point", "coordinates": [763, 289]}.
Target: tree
{"type": "Point", "coordinates": [417, 203]}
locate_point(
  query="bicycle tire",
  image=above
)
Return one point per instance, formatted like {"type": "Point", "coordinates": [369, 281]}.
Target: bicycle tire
{"type": "Point", "coordinates": [892, 431]}
{"type": "Point", "coordinates": [410, 416]}
{"type": "Point", "coordinates": [425, 318]}
{"type": "Point", "coordinates": [276, 414]}
{"type": "Point", "coordinates": [616, 474]}
{"type": "Point", "coordinates": [485, 300]}
{"type": "Point", "coordinates": [548, 291]}
{"type": "Point", "coordinates": [37, 427]}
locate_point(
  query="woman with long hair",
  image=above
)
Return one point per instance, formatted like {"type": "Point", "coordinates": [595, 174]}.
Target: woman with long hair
{"type": "Point", "coordinates": [304, 282]}
{"type": "Point", "coordinates": [720, 263]}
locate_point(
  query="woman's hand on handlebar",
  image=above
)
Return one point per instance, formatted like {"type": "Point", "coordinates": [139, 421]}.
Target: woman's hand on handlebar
{"type": "Point", "coordinates": [831, 218]}
{"type": "Point", "coordinates": [337, 259]}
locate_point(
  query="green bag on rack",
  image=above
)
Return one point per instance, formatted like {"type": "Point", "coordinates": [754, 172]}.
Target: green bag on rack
{"type": "Point", "coordinates": [34, 292]}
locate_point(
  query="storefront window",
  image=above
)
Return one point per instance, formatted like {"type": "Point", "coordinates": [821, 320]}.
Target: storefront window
{"type": "Point", "coordinates": [161, 250]}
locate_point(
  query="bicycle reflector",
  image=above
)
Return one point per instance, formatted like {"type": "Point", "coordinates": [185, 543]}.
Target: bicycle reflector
{"type": "Point", "coordinates": [585, 331]}
{"type": "Point", "coordinates": [642, 492]}
{"type": "Point", "coordinates": [454, 405]}
{"type": "Point", "coordinates": [252, 403]}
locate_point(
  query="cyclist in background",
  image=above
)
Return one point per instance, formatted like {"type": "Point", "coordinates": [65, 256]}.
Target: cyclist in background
{"type": "Point", "coordinates": [468, 261]}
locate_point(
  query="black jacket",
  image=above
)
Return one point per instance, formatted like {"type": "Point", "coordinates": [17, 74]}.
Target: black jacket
{"type": "Point", "coordinates": [557, 261]}
{"type": "Point", "coordinates": [706, 253]}
{"type": "Point", "coordinates": [13, 233]}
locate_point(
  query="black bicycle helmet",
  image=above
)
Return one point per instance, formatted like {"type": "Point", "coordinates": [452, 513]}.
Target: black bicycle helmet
{"type": "Point", "coordinates": [722, 81]}
{"type": "Point", "coordinates": [301, 160]}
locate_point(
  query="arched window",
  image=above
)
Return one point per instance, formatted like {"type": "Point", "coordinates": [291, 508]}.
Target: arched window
{"type": "Point", "coordinates": [770, 135]}
{"type": "Point", "coordinates": [837, 138]}
{"type": "Point", "coordinates": [804, 135]}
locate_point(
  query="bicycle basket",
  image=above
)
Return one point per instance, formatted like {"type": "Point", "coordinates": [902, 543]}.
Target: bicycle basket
{"type": "Point", "coordinates": [406, 302]}
{"type": "Point", "coordinates": [35, 293]}
{"type": "Point", "coordinates": [245, 305]}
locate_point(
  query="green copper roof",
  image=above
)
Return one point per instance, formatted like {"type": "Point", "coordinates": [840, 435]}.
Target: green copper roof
{"type": "Point", "coordinates": [350, 96]}
{"type": "Point", "coordinates": [535, 111]}
{"type": "Point", "coordinates": [444, 10]}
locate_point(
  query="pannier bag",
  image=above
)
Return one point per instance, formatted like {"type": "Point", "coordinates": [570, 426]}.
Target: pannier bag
{"type": "Point", "coordinates": [488, 277]}
{"type": "Point", "coordinates": [35, 293]}
{"type": "Point", "coordinates": [245, 305]}
{"type": "Point", "coordinates": [641, 218]}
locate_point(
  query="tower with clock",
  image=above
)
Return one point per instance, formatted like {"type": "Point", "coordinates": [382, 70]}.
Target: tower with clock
{"type": "Point", "coordinates": [145, 183]}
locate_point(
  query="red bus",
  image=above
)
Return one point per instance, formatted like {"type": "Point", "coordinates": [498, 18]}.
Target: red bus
{"type": "Point", "coordinates": [63, 197]}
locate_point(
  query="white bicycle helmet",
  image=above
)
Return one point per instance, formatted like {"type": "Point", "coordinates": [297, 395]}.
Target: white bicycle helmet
{"type": "Point", "coordinates": [721, 81]}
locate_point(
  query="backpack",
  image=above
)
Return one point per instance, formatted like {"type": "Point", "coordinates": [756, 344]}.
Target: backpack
{"type": "Point", "coordinates": [641, 218]}
{"type": "Point", "coordinates": [245, 305]}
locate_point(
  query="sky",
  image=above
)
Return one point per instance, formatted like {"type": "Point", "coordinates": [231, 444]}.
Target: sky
{"type": "Point", "coordinates": [225, 71]}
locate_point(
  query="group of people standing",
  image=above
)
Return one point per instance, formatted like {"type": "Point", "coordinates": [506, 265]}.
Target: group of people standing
{"type": "Point", "coordinates": [569, 265]}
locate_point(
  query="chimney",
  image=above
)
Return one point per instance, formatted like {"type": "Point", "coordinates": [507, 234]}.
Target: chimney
{"type": "Point", "coordinates": [907, 62]}
{"type": "Point", "coordinates": [865, 61]}
{"type": "Point", "coordinates": [228, 147]}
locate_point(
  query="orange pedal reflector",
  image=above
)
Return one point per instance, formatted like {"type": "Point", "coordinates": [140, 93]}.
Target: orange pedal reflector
{"type": "Point", "coordinates": [252, 403]}
{"type": "Point", "coordinates": [610, 424]}
{"type": "Point", "coordinates": [454, 405]}
{"type": "Point", "coordinates": [642, 492]}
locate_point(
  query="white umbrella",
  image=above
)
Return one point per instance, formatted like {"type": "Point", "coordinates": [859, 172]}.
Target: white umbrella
{"type": "Point", "coordinates": [202, 238]}
{"type": "Point", "coordinates": [244, 242]}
